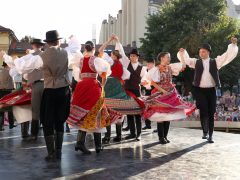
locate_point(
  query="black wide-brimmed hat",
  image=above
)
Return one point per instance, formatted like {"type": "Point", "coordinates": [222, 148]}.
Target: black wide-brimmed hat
{"type": "Point", "coordinates": [207, 47]}
{"type": "Point", "coordinates": [134, 51]}
{"type": "Point", "coordinates": [52, 36]}
{"type": "Point", "coordinates": [37, 41]}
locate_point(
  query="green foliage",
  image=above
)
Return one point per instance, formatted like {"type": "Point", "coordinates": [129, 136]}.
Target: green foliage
{"type": "Point", "coordinates": [228, 27]}
{"type": "Point", "coordinates": [188, 24]}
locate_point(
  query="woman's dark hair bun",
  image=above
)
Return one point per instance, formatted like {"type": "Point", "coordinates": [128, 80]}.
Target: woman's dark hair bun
{"type": "Point", "coordinates": [89, 46]}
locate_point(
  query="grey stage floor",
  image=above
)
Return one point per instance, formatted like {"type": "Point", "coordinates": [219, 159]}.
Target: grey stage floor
{"type": "Point", "coordinates": [186, 157]}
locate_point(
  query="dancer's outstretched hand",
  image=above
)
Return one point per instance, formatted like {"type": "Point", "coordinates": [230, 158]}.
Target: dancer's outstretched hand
{"type": "Point", "coordinates": [182, 50]}
{"type": "Point", "coordinates": [2, 53]}
{"type": "Point", "coordinates": [116, 38]}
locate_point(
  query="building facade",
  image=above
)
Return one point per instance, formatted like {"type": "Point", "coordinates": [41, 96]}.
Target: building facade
{"type": "Point", "coordinates": [7, 37]}
{"type": "Point", "coordinates": [130, 23]}
{"type": "Point", "coordinates": [233, 10]}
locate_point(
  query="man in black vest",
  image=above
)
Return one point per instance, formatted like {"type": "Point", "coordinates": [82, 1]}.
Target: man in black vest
{"type": "Point", "coordinates": [137, 72]}
{"type": "Point", "coordinates": [132, 85]}
{"type": "Point", "coordinates": [206, 78]}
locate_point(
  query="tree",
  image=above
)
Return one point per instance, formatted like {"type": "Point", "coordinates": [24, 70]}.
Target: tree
{"type": "Point", "coordinates": [188, 24]}
{"type": "Point", "coordinates": [228, 27]}
{"type": "Point", "coordinates": [26, 39]}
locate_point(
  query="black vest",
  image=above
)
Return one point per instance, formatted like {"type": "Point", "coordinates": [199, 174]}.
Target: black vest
{"type": "Point", "coordinates": [135, 79]}
{"type": "Point", "coordinates": [212, 69]}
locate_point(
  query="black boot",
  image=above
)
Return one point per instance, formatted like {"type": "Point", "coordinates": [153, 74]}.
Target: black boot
{"type": "Point", "coordinates": [107, 137]}
{"type": "Point", "coordinates": [166, 125]}
{"type": "Point", "coordinates": [204, 136]}
{"type": "Point", "coordinates": [128, 127]}
{"type": "Point", "coordinates": [34, 130]}
{"type": "Point", "coordinates": [162, 140]}
{"type": "Point", "coordinates": [210, 140]}
{"type": "Point", "coordinates": [147, 124]}
{"type": "Point", "coordinates": [160, 128]}
{"type": "Point", "coordinates": [98, 142]}
{"type": "Point", "coordinates": [211, 129]}
{"type": "Point", "coordinates": [1, 123]}
{"type": "Point", "coordinates": [11, 120]}
{"type": "Point", "coordinates": [138, 127]}
{"type": "Point", "coordinates": [25, 129]}
{"type": "Point", "coordinates": [50, 143]}
{"type": "Point", "coordinates": [205, 127]}
{"type": "Point", "coordinates": [167, 140]}
{"type": "Point", "coordinates": [67, 128]}
{"type": "Point", "coordinates": [118, 138]}
{"type": "Point", "coordinates": [80, 145]}
{"type": "Point", "coordinates": [131, 124]}
{"type": "Point", "coordinates": [58, 144]}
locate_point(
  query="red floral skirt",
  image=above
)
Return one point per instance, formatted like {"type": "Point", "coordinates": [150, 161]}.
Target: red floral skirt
{"type": "Point", "coordinates": [17, 98]}
{"type": "Point", "coordinates": [167, 107]}
{"type": "Point", "coordinates": [88, 111]}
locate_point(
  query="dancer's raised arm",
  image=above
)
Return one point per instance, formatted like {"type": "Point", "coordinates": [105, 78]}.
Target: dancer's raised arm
{"type": "Point", "coordinates": [229, 55]}
{"type": "Point", "coordinates": [119, 47]}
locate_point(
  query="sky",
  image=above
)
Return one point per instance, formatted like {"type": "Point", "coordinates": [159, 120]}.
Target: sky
{"type": "Point", "coordinates": [34, 18]}
{"type": "Point", "coordinates": [69, 17]}
{"type": "Point", "coordinates": [236, 1]}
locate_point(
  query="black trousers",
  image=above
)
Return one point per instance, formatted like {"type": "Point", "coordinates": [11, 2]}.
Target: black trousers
{"type": "Point", "coordinates": [206, 103]}
{"type": "Point", "coordinates": [10, 118]}
{"type": "Point", "coordinates": [163, 128]}
{"type": "Point", "coordinates": [134, 121]}
{"type": "Point", "coordinates": [73, 84]}
{"type": "Point", "coordinates": [55, 107]}
{"type": "Point", "coordinates": [148, 93]}
{"type": "Point", "coordinates": [148, 123]}
{"type": "Point", "coordinates": [10, 113]}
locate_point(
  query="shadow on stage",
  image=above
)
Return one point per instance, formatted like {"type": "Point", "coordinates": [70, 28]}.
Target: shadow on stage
{"type": "Point", "coordinates": [124, 162]}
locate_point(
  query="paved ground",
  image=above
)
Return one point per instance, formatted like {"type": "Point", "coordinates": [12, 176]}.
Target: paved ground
{"type": "Point", "coordinates": [186, 157]}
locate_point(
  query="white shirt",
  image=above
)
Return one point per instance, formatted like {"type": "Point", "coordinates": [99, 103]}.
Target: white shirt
{"type": "Point", "coordinates": [154, 73]}
{"type": "Point", "coordinates": [126, 74]}
{"type": "Point", "coordinates": [207, 79]}
{"type": "Point", "coordinates": [125, 60]}
{"type": "Point", "coordinates": [28, 63]}
{"type": "Point", "coordinates": [15, 75]}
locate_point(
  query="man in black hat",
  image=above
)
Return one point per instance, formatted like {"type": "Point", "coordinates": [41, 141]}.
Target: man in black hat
{"type": "Point", "coordinates": [55, 104]}
{"type": "Point", "coordinates": [133, 85]}
{"type": "Point", "coordinates": [206, 79]}
{"type": "Point", "coordinates": [35, 79]}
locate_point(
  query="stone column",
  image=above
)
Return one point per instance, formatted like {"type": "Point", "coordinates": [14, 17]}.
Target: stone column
{"type": "Point", "coordinates": [129, 22]}
{"type": "Point", "coordinates": [124, 22]}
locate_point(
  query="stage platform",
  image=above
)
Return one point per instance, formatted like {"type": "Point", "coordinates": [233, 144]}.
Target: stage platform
{"type": "Point", "coordinates": [187, 157]}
